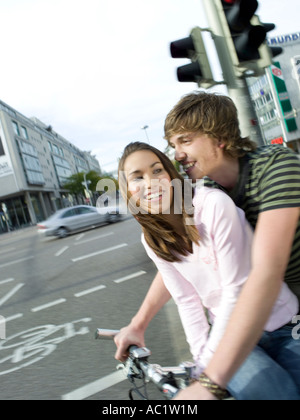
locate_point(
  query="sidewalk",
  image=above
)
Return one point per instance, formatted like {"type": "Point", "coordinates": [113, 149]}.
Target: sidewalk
{"type": "Point", "coordinates": [26, 231]}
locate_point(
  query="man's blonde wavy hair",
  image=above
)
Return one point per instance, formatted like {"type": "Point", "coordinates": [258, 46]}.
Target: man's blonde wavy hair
{"type": "Point", "coordinates": [212, 114]}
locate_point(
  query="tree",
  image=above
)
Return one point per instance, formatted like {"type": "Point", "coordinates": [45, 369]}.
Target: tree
{"type": "Point", "coordinates": [75, 183]}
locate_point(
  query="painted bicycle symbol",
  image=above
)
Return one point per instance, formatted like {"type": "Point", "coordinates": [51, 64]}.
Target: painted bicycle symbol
{"type": "Point", "coordinates": [31, 346]}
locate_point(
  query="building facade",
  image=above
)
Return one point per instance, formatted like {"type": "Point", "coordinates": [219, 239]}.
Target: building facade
{"type": "Point", "coordinates": [276, 95]}
{"type": "Point", "coordinates": [35, 161]}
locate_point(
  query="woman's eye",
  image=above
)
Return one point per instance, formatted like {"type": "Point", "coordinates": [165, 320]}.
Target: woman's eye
{"type": "Point", "coordinates": [158, 171]}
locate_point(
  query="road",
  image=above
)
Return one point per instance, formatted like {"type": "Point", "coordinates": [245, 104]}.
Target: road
{"type": "Point", "coordinates": [55, 293]}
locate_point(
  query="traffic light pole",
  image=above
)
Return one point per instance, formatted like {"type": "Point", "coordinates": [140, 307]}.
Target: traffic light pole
{"type": "Point", "coordinates": [236, 83]}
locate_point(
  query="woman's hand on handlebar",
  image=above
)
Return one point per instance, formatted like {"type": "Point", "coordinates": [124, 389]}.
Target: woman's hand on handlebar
{"type": "Point", "coordinates": [127, 337]}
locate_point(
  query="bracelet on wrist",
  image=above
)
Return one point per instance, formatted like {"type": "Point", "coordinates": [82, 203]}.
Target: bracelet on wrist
{"type": "Point", "coordinates": [212, 387]}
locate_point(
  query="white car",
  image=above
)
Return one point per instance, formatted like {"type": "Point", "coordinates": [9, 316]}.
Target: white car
{"type": "Point", "coordinates": [75, 219]}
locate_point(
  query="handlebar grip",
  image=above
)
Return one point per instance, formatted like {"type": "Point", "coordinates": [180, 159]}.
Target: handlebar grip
{"type": "Point", "coordinates": [106, 334]}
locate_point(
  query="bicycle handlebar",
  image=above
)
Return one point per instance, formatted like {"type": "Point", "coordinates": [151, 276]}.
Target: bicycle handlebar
{"type": "Point", "coordinates": [164, 379]}
{"type": "Point", "coordinates": [138, 367]}
{"type": "Point", "coordinates": [106, 334]}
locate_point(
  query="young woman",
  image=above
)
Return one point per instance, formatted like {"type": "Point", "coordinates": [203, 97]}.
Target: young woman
{"type": "Point", "coordinates": [204, 259]}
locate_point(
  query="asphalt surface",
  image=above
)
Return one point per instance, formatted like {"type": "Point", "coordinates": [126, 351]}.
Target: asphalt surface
{"type": "Point", "coordinates": [55, 293]}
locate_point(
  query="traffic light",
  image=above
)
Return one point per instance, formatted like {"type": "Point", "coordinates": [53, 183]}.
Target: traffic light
{"type": "Point", "coordinates": [247, 35]}
{"type": "Point", "coordinates": [266, 53]}
{"type": "Point", "coordinates": [193, 48]}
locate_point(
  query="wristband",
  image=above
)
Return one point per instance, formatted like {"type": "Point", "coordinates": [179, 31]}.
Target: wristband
{"type": "Point", "coordinates": [212, 387]}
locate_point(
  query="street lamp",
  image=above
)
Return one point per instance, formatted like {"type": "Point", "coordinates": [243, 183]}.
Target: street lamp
{"type": "Point", "coordinates": [145, 128]}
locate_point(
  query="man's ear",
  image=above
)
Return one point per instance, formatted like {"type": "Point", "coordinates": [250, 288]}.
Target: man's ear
{"type": "Point", "coordinates": [221, 144]}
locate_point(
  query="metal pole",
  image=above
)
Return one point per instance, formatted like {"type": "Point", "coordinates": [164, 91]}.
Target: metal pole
{"type": "Point", "coordinates": [237, 86]}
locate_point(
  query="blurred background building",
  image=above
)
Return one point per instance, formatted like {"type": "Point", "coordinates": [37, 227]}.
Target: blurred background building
{"type": "Point", "coordinates": [276, 95]}
{"type": "Point", "coordinates": [35, 161]}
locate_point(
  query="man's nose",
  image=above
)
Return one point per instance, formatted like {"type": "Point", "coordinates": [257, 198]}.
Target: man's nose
{"type": "Point", "coordinates": [180, 156]}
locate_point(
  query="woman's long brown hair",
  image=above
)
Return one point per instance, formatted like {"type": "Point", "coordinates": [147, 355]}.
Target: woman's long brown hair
{"type": "Point", "coordinates": [159, 233]}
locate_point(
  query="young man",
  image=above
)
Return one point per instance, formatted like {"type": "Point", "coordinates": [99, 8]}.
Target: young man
{"type": "Point", "coordinates": [264, 181]}
{"type": "Point", "coordinates": [204, 130]}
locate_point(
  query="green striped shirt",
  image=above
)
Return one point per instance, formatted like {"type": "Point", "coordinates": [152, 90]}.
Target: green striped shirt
{"type": "Point", "coordinates": [272, 181]}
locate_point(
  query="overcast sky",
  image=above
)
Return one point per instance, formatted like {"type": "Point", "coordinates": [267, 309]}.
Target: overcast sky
{"type": "Point", "coordinates": [99, 70]}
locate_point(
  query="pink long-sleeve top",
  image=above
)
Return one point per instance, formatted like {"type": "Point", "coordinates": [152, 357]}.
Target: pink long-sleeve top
{"type": "Point", "coordinates": [212, 277]}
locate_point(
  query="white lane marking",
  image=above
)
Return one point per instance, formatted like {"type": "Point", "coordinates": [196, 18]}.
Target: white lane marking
{"type": "Point", "coordinates": [95, 289]}
{"type": "Point", "coordinates": [6, 281]}
{"type": "Point", "coordinates": [96, 386]}
{"type": "Point", "coordinates": [99, 252]}
{"type": "Point", "coordinates": [16, 262]}
{"type": "Point", "coordinates": [80, 236]}
{"type": "Point", "coordinates": [32, 345]}
{"type": "Point", "coordinates": [11, 293]}
{"type": "Point", "coordinates": [94, 238]}
{"type": "Point", "coordinates": [60, 252]}
{"type": "Point", "coordinates": [48, 305]}
{"type": "Point", "coordinates": [131, 276]}
{"type": "Point", "coordinates": [87, 291]}
{"type": "Point", "coordinates": [11, 318]}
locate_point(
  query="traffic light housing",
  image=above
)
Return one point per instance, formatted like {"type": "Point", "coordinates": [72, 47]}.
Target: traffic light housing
{"type": "Point", "coordinates": [266, 53]}
{"type": "Point", "coordinates": [193, 48]}
{"type": "Point", "coordinates": [246, 35]}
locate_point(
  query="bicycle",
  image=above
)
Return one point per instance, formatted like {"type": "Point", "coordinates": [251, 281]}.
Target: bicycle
{"type": "Point", "coordinates": [169, 380]}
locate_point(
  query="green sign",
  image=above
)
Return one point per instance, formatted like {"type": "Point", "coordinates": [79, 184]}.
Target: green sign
{"type": "Point", "coordinates": [284, 100]}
